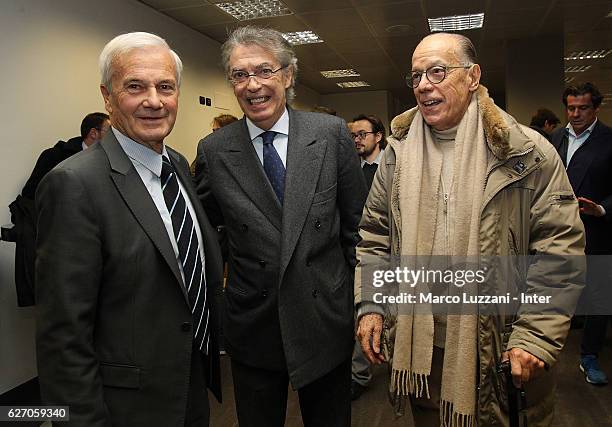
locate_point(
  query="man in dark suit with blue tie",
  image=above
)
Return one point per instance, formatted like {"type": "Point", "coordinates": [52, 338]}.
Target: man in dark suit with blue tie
{"type": "Point", "coordinates": [127, 261]}
{"type": "Point", "coordinates": [585, 146]}
{"type": "Point", "coordinates": [288, 187]}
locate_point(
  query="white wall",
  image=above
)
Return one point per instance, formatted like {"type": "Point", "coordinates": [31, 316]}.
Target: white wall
{"type": "Point", "coordinates": [50, 76]}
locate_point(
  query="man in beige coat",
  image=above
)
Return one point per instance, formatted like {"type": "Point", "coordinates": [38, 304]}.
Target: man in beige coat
{"type": "Point", "coordinates": [461, 177]}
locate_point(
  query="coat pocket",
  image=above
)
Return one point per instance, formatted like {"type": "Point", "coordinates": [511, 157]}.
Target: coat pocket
{"type": "Point", "coordinates": [561, 197]}
{"type": "Point", "coordinates": [325, 195]}
{"type": "Point", "coordinates": [122, 376]}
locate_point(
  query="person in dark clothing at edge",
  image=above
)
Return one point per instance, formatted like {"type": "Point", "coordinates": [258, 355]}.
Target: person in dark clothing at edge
{"type": "Point", "coordinates": [544, 122]}
{"type": "Point", "coordinates": [93, 128]}
{"type": "Point", "coordinates": [23, 216]}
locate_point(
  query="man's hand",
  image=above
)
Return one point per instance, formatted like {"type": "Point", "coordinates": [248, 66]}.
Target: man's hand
{"type": "Point", "coordinates": [589, 207]}
{"type": "Point", "coordinates": [524, 366]}
{"type": "Point", "coordinates": [370, 326]}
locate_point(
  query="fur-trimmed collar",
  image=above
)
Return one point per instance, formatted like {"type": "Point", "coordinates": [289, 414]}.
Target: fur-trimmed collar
{"type": "Point", "coordinates": [497, 131]}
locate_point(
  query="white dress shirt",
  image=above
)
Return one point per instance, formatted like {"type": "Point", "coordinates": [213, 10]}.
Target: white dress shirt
{"type": "Point", "coordinates": [575, 142]}
{"type": "Point", "coordinates": [148, 164]}
{"type": "Point", "coordinates": [281, 127]}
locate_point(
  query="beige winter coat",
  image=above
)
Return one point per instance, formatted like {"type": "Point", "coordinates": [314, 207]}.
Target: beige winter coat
{"type": "Point", "coordinates": [528, 207]}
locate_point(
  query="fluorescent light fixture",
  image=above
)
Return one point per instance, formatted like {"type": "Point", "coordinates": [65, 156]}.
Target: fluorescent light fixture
{"type": "Point", "coordinates": [577, 68]}
{"type": "Point", "coordinates": [456, 22]}
{"type": "Point", "coordinates": [353, 84]}
{"type": "Point", "coordinates": [588, 54]}
{"type": "Point", "coordinates": [569, 79]}
{"type": "Point", "coordinates": [244, 10]}
{"type": "Point", "coordinates": [302, 37]}
{"type": "Point", "coordinates": [333, 74]}
{"type": "Point", "coordinates": [609, 15]}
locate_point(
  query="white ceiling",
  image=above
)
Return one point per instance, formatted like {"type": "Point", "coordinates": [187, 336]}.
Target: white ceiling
{"type": "Point", "coordinates": [359, 34]}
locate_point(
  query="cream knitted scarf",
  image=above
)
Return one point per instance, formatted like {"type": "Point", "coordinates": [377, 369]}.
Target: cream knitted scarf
{"type": "Point", "coordinates": [415, 196]}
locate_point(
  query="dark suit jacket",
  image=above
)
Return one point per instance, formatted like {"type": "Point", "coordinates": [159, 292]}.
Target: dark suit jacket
{"type": "Point", "coordinates": [24, 217]}
{"type": "Point", "coordinates": [114, 335]}
{"type": "Point", "coordinates": [49, 159]}
{"type": "Point", "coordinates": [289, 295]}
{"type": "Point", "coordinates": [590, 173]}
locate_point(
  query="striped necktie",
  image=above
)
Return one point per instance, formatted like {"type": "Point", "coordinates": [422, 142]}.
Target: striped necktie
{"type": "Point", "coordinates": [189, 253]}
{"type": "Point", "coordinates": [273, 165]}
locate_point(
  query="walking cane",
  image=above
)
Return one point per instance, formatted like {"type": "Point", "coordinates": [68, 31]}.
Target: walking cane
{"type": "Point", "coordinates": [517, 401]}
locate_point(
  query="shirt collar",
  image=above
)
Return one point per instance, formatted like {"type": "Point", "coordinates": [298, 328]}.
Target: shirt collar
{"type": "Point", "coordinates": [375, 161]}
{"type": "Point", "coordinates": [588, 130]}
{"type": "Point", "coordinates": [150, 159]}
{"type": "Point", "coordinates": [281, 126]}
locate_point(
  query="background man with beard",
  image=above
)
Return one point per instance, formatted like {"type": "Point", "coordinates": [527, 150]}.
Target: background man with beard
{"type": "Point", "coordinates": [368, 132]}
{"type": "Point", "coordinates": [585, 146]}
{"type": "Point", "coordinates": [287, 186]}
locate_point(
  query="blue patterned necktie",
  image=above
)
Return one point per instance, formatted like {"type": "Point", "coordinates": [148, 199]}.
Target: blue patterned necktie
{"type": "Point", "coordinates": [273, 165]}
{"type": "Point", "coordinates": [189, 253]}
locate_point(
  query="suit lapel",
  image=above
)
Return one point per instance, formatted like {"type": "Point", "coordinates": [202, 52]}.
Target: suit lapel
{"type": "Point", "coordinates": [305, 153]}
{"type": "Point", "coordinates": [139, 201]}
{"type": "Point", "coordinates": [243, 164]}
{"type": "Point", "coordinates": [561, 146]}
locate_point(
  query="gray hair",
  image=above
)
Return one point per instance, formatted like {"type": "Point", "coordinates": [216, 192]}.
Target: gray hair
{"type": "Point", "coordinates": [126, 42]}
{"type": "Point", "coordinates": [466, 48]}
{"type": "Point", "coordinates": [268, 39]}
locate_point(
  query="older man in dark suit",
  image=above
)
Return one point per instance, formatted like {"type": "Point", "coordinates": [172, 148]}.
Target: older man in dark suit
{"type": "Point", "coordinates": [585, 146]}
{"type": "Point", "coordinates": [288, 187]}
{"type": "Point", "coordinates": [127, 261]}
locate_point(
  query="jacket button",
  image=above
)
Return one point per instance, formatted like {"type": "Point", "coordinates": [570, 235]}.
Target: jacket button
{"type": "Point", "coordinates": [262, 263]}
{"type": "Point", "coordinates": [537, 159]}
{"type": "Point", "coordinates": [244, 228]}
{"type": "Point", "coordinates": [317, 224]}
{"type": "Point", "coordinates": [315, 292]}
{"type": "Point", "coordinates": [264, 293]}
{"type": "Point", "coordinates": [308, 263]}
{"type": "Point", "coordinates": [186, 327]}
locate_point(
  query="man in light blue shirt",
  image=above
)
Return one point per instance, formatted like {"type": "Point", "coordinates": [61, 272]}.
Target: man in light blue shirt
{"type": "Point", "coordinates": [585, 146]}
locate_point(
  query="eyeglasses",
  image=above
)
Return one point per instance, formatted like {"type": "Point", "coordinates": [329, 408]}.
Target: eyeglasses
{"type": "Point", "coordinates": [435, 74]}
{"type": "Point", "coordinates": [238, 77]}
{"type": "Point", "coordinates": [360, 135]}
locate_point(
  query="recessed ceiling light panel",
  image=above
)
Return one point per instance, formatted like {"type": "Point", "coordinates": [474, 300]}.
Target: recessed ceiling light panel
{"type": "Point", "coordinates": [353, 84]}
{"type": "Point", "coordinates": [588, 54]}
{"type": "Point", "coordinates": [456, 22]}
{"type": "Point", "coordinates": [333, 74]}
{"type": "Point", "coordinates": [302, 37]}
{"type": "Point", "coordinates": [244, 10]}
{"type": "Point", "coordinates": [577, 68]}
